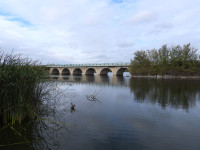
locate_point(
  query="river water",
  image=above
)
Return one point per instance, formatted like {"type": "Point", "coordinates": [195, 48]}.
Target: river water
{"type": "Point", "coordinates": [124, 113]}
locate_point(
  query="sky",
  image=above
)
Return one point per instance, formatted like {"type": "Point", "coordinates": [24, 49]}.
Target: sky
{"type": "Point", "coordinates": [95, 31]}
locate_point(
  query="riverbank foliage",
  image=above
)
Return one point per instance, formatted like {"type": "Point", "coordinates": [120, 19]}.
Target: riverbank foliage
{"type": "Point", "coordinates": [21, 88]}
{"type": "Point", "coordinates": [174, 61]}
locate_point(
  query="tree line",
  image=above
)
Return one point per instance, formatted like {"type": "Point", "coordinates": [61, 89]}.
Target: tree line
{"type": "Point", "coordinates": [175, 60]}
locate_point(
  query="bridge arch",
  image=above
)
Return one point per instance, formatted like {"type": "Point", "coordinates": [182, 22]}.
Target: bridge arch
{"type": "Point", "coordinates": [65, 71]}
{"type": "Point", "coordinates": [77, 71]}
{"type": "Point", "coordinates": [55, 71]}
{"type": "Point", "coordinates": [105, 71]}
{"type": "Point", "coordinates": [90, 71]}
{"type": "Point", "coordinates": [121, 71]}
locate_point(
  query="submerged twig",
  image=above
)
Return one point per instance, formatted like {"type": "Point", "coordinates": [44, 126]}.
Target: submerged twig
{"type": "Point", "coordinates": [92, 97]}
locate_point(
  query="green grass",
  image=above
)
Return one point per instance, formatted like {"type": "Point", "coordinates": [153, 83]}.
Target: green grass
{"type": "Point", "coordinates": [22, 89]}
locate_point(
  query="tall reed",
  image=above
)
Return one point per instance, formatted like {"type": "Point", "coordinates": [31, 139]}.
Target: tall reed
{"type": "Point", "coordinates": [21, 88]}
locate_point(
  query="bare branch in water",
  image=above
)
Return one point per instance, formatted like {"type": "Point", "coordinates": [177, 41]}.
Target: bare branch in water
{"type": "Point", "coordinates": [92, 97]}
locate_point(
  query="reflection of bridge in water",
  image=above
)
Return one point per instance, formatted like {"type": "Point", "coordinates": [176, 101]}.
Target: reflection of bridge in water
{"type": "Point", "coordinates": [89, 69]}
{"type": "Point", "coordinates": [93, 79]}
{"type": "Point", "coordinates": [168, 92]}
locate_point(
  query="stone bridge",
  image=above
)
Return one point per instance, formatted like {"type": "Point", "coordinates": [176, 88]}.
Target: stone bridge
{"type": "Point", "coordinates": [89, 69]}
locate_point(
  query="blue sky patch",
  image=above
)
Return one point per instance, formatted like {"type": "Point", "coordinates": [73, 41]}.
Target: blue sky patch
{"type": "Point", "coordinates": [117, 1]}
{"type": "Point", "coordinates": [10, 17]}
{"type": "Point", "coordinates": [21, 21]}
{"type": "Point", "coordinates": [2, 13]}
{"type": "Point", "coordinates": [121, 1]}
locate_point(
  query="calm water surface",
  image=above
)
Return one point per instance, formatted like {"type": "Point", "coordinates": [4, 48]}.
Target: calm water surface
{"type": "Point", "coordinates": [131, 113]}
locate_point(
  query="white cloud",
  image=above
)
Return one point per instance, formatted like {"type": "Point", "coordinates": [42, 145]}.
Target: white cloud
{"type": "Point", "coordinates": [83, 31]}
{"type": "Point", "coordinates": [143, 17]}
{"type": "Point", "coordinates": [125, 44]}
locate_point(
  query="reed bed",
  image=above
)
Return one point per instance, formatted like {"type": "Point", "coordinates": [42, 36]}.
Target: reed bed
{"type": "Point", "coordinates": [22, 88]}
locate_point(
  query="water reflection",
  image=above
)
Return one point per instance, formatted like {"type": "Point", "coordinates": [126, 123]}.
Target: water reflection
{"type": "Point", "coordinates": [105, 79]}
{"type": "Point", "coordinates": [54, 77]}
{"type": "Point", "coordinates": [65, 77]}
{"type": "Point", "coordinates": [94, 79]}
{"type": "Point", "coordinates": [118, 121]}
{"type": "Point", "coordinates": [90, 78]}
{"type": "Point", "coordinates": [31, 136]}
{"type": "Point", "coordinates": [77, 78]}
{"type": "Point", "coordinates": [177, 93]}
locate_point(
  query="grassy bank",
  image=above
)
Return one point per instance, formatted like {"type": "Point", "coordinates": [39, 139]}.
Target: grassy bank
{"type": "Point", "coordinates": [171, 61]}
{"type": "Point", "coordinates": [21, 88]}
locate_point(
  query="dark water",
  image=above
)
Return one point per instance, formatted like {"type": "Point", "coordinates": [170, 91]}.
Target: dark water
{"type": "Point", "coordinates": [128, 113]}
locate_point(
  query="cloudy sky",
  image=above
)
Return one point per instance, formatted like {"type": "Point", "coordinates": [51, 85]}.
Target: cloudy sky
{"type": "Point", "coordinates": [94, 31]}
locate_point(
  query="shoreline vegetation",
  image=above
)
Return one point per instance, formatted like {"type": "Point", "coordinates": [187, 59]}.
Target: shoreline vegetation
{"type": "Point", "coordinates": [28, 104]}
{"type": "Point", "coordinates": [22, 89]}
{"type": "Point", "coordinates": [165, 77]}
{"type": "Point", "coordinates": [166, 62]}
